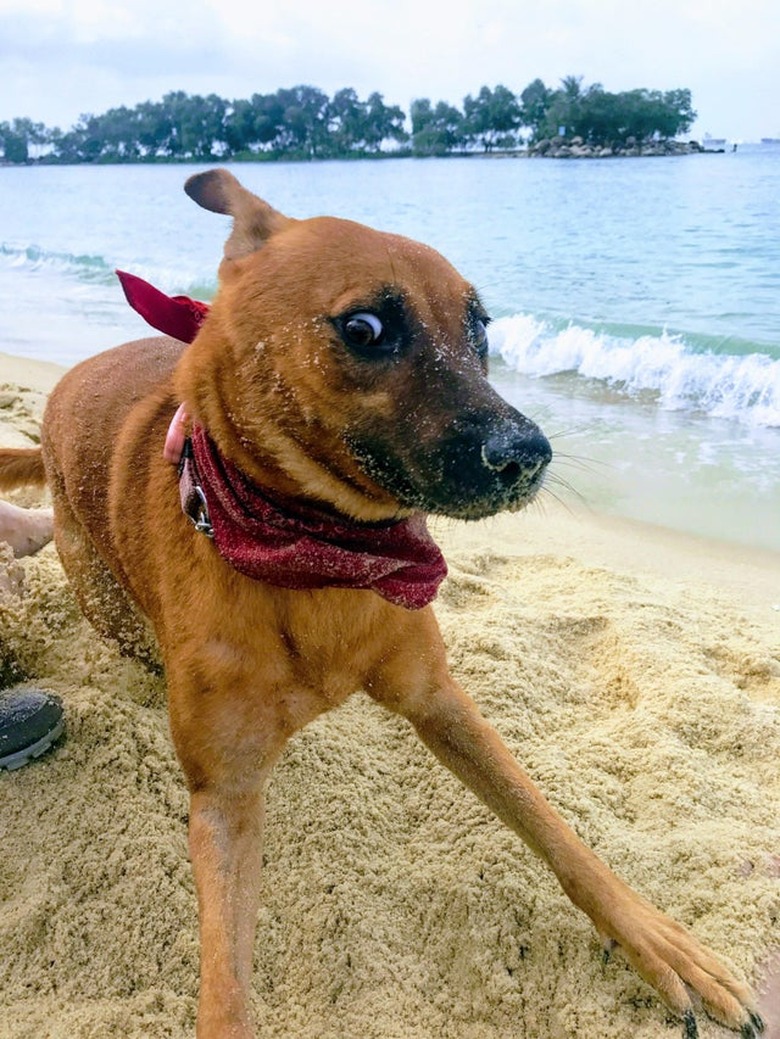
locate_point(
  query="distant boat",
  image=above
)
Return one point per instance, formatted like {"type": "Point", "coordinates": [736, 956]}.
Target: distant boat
{"type": "Point", "coordinates": [710, 143]}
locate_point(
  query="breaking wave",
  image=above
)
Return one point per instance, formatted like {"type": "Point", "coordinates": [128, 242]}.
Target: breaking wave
{"type": "Point", "coordinates": [97, 270]}
{"type": "Point", "coordinates": [666, 367]}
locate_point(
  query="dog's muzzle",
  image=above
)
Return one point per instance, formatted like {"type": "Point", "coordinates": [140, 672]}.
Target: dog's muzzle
{"type": "Point", "coordinates": [479, 464]}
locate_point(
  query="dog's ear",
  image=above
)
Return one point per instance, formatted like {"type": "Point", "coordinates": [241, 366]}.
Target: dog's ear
{"type": "Point", "coordinates": [254, 221]}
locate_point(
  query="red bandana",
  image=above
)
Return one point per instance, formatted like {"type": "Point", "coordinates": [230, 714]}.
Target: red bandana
{"type": "Point", "coordinates": [296, 548]}
{"type": "Point", "coordinates": [177, 316]}
{"type": "Point", "coordinates": [290, 548]}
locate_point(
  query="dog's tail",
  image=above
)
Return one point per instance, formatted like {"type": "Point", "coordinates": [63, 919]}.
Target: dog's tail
{"type": "Point", "coordinates": [20, 467]}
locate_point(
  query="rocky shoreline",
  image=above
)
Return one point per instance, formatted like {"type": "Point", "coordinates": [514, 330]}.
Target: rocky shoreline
{"type": "Point", "coordinates": [576, 148]}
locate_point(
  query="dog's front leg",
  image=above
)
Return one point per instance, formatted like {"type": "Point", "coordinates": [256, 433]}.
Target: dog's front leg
{"type": "Point", "coordinates": [226, 850]}
{"type": "Point", "coordinates": [416, 684]}
{"type": "Point", "coordinates": [227, 747]}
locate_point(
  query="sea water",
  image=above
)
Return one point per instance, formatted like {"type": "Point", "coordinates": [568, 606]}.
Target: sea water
{"type": "Point", "coordinates": [636, 302]}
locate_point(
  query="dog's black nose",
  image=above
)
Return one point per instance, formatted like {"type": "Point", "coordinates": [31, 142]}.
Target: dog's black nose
{"type": "Point", "coordinates": [517, 452]}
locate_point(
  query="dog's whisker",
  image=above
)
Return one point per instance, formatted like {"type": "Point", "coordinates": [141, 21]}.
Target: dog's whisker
{"type": "Point", "coordinates": [572, 431]}
{"type": "Point", "coordinates": [590, 466]}
{"type": "Point", "coordinates": [548, 492]}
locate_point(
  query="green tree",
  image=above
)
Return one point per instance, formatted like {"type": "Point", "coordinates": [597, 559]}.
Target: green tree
{"type": "Point", "coordinates": [83, 143]}
{"type": "Point", "coordinates": [360, 127]}
{"type": "Point", "coordinates": [195, 125]}
{"type": "Point", "coordinates": [118, 130]}
{"type": "Point", "coordinates": [420, 113]}
{"type": "Point", "coordinates": [640, 115]}
{"type": "Point", "coordinates": [602, 118]}
{"type": "Point", "coordinates": [492, 118]}
{"type": "Point", "coordinates": [564, 108]}
{"type": "Point", "coordinates": [19, 136]}
{"type": "Point", "coordinates": [14, 145]}
{"type": "Point", "coordinates": [303, 129]}
{"type": "Point", "coordinates": [239, 127]}
{"type": "Point", "coordinates": [153, 127]}
{"type": "Point", "coordinates": [346, 122]}
{"type": "Point", "coordinates": [677, 114]}
{"type": "Point", "coordinates": [435, 131]}
{"type": "Point", "coordinates": [535, 103]}
{"type": "Point", "coordinates": [267, 121]}
{"type": "Point", "coordinates": [252, 126]}
{"type": "Point", "coordinates": [383, 123]}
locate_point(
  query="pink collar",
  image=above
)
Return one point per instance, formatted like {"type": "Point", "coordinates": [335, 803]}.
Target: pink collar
{"type": "Point", "coordinates": [289, 547]}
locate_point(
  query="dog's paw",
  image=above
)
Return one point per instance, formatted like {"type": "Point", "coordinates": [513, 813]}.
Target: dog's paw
{"type": "Point", "coordinates": [752, 1028]}
{"type": "Point", "coordinates": [681, 970]}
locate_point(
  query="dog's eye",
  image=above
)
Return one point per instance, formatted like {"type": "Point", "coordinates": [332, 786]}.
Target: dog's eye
{"type": "Point", "coordinates": [363, 330]}
{"type": "Point", "coordinates": [479, 337]}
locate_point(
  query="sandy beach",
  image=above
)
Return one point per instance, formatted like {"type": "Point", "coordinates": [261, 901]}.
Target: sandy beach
{"type": "Point", "coordinates": [634, 672]}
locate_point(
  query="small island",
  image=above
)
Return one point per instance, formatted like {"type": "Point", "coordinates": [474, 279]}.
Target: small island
{"type": "Point", "coordinates": [302, 123]}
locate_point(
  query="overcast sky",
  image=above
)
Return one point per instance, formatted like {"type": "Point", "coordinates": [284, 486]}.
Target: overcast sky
{"type": "Point", "coordinates": [62, 58]}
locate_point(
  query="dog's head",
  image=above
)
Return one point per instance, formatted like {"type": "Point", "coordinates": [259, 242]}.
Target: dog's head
{"type": "Point", "coordinates": [349, 367]}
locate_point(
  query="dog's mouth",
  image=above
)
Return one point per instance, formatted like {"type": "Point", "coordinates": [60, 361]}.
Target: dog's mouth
{"type": "Point", "coordinates": [471, 473]}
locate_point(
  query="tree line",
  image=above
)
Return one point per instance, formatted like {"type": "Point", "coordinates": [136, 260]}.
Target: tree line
{"type": "Point", "coordinates": [302, 122]}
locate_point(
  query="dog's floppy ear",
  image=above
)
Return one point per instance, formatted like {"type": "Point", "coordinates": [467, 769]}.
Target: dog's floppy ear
{"type": "Point", "coordinates": [253, 220]}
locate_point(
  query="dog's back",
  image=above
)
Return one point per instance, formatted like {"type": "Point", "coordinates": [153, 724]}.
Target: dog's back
{"type": "Point", "coordinates": [84, 416]}
{"type": "Point", "coordinates": [89, 480]}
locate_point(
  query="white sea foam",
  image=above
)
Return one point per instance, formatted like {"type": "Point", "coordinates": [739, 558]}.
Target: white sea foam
{"type": "Point", "coordinates": [97, 270]}
{"type": "Point", "coordinates": [736, 386]}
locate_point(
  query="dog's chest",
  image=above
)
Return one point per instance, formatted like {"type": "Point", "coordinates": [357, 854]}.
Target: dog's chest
{"type": "Point", "coordinates": [332, 639]}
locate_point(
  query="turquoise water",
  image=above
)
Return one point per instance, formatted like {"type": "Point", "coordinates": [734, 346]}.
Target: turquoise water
{"type": "Point", "coordinates": [636, 302]}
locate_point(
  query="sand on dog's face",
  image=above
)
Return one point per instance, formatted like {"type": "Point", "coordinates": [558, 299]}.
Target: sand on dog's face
{"type": "Point", "coordinates": [394, 905]}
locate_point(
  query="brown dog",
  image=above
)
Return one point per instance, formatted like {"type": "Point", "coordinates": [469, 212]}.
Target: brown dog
{"type": "Point", "coordinates": [336, 393]}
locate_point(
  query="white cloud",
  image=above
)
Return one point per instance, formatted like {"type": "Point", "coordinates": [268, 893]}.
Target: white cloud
{"type": "Point", "coordinates": [59, 58]}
